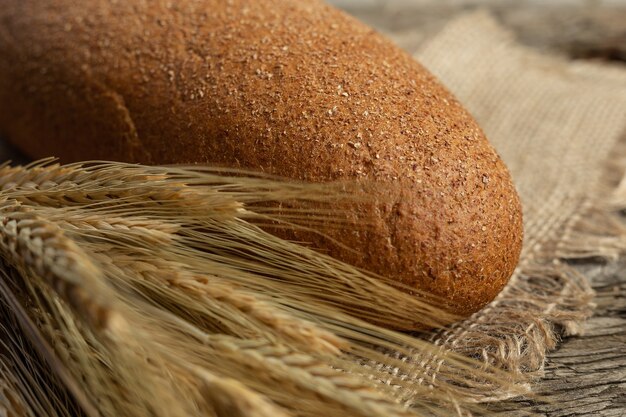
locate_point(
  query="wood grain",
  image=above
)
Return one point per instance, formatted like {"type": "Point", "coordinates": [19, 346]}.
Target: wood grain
{"type": "Point", "coordinates": [577, 28]}
{"type": "Point", "coordinates": [586, 375]}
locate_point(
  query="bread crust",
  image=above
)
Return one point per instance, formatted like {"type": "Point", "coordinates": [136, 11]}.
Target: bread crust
{"type": "Point", "coordinates": [293, 88]}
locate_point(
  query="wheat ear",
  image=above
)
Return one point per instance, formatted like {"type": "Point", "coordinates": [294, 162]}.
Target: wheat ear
{"type": "Point", "coordinates": [192, 191]}
{"type": "Point", "coordinates": [212, 296]}
{"type": "Point", "coordinates": [132, 230]}
{"type": "Point", "coordinates": [355, 390]}
{"type": "Point", "coordinates": [281, 373]}
{"type": "Point", "coordinates": [363, 336]}
{"type": "Point", "coordinates": [315, 375]}
{"type": "Point", "coordinates": [231, 398]}
{"type": "Point", "coordinates": [131, 187]}
{"type": "Point", "coordinates": [216, 240]}
{"type": "Point", "coordinates": [153, 267]}
{"type": "Point", "coordinates": [34, 245]}
{"type": "Point", "coordinates": [277, 371]}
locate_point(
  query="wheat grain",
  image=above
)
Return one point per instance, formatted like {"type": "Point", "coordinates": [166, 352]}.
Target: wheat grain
{"type": "Point", "coordinates": [231, 398]}
{"type": "Point", "coordinates": [133, 186]}
{"type": "Point", "coordinates": [281, 373]}
{"type": "Point", "coordinates": [137, 230]}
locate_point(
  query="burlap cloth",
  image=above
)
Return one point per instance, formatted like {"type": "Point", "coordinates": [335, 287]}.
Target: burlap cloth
{"type": "Point", "coordinates": [556, 124]}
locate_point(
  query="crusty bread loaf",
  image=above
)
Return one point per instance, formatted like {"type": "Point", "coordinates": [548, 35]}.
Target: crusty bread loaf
{"type": "Point", "coordinates": [293, 88]}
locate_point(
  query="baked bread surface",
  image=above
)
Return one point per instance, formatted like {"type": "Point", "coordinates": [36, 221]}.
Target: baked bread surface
{"type": "Point", "coordinates": [292, 88]}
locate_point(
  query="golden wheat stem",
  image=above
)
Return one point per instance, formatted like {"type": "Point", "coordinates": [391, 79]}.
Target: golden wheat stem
{"type": "Point", "coordinates": [119, 240]}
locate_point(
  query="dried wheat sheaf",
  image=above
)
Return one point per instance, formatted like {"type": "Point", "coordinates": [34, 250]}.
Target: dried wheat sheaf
{"type": "Point", "coordinates": [157, 291]}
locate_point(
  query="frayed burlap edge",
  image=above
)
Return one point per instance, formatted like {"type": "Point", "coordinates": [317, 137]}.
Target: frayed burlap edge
{"type": "Point", "coordinates": [546, 298]}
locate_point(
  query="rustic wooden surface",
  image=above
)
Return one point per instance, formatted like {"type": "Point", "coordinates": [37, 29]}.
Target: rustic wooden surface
{"type": "Point", "coordinates": [585, 375]}
{"type": "Point", "coordinates": [577, 28]}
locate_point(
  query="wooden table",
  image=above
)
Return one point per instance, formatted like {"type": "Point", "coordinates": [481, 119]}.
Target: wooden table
{"type": "Point", "coordinates": [578, 28]}
{"type": "Point", "coordinates": [586, 375]}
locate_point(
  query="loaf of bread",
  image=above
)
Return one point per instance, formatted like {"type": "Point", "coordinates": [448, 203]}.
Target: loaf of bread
{"type": "Point", "coordinates": [292, 88]}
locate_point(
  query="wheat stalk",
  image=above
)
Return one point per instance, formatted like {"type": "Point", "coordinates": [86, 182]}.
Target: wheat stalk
{"type": "Point", "coordinates": [344, 287]}
{"type": "Point", "coordinates": [132, 188]}
{"type": "Point", "coordinates": [164, 286]}
{"type": "Point", "coordinates": [49, 184]}
{"type": "Point", "coordinates": [155, 269]}
{"type": "Point", "coordinates": [277, 371]}
{"type": "Point", "coordinates": [450, 371]}
{"type": "Point", "coordinates": [312, 374]}
{"type": "Point", "coordinates": [207, 290]}
{"type": "Point", "coordinates": [167, 272]}
{"type": "Point", "coordinates": [227, 395]}
{"type": "Point", "coordinates": [65, 186]}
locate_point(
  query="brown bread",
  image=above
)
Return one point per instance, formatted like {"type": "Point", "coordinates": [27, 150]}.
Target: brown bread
{"type": "Point", "coordinates": [293, 88]}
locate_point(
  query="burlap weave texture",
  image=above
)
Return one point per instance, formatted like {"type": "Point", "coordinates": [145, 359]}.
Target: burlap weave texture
{"type": "Point", "coordinates": [557, 125]}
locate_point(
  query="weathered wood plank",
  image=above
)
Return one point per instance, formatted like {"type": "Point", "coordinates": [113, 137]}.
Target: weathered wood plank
{"type": "Point", "coordinates": [586, 375]}
{"type": "Point", "coordinates": [578, 28]}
